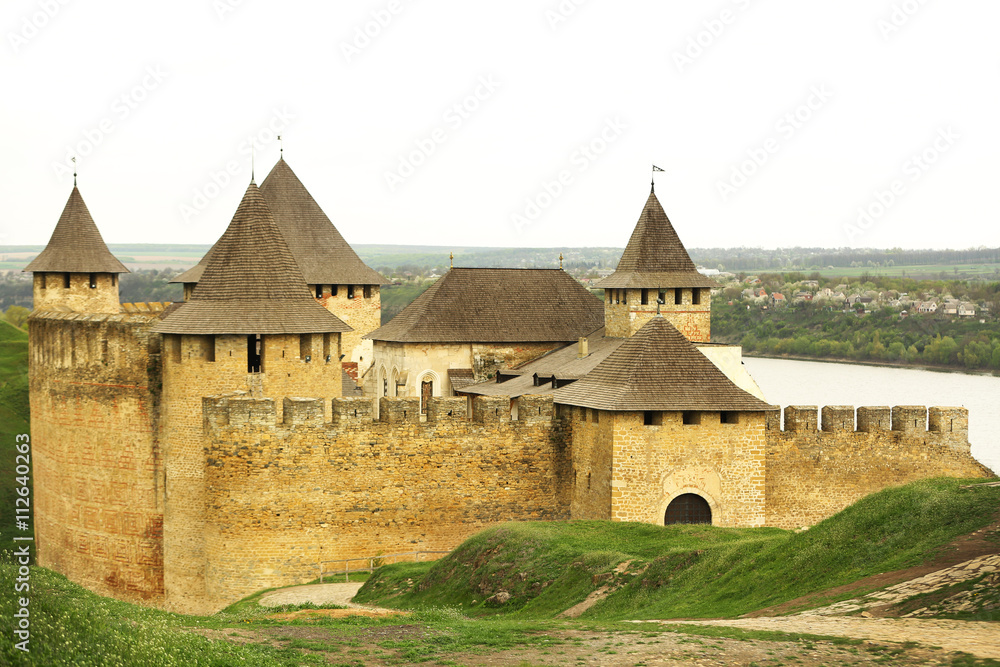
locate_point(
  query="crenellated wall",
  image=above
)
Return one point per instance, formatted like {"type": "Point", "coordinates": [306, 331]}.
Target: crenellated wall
{"type": "Point", "coordinates": [98, 468]}
{"type": "Point", "coordinates": [815, 468]}
{"type": "Point", "coordinates": [76, 292]}
{"type": "Point", "coordinates": [283, 494]}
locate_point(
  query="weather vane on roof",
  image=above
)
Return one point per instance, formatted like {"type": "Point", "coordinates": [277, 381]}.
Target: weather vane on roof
{"type": "Point", "coordinates": [281, 147]}
{"type": "Point", "coordinates": [652, 181]}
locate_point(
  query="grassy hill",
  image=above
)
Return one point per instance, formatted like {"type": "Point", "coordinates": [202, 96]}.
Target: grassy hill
{"type": "Point", "coordinates": [686, 571]}
{"type": "Point", "coordinates": [13, 420]}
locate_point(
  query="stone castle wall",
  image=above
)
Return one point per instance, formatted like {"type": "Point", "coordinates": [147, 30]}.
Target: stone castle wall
{"type": "Point", "coordinates": [361, 313]}
{"type": "Point", "coordinates": [98, 467]}
{"type": "Point", "coordinates": [195, 366]}
{"type": "Point", "coordinates": [284, 494]}
{"type": "Point", "coordinates": [815, 469]}
{"type": "Point", "coordinates": [624, 312]}
{"type": "Point", "coordinates": [652, 464]}
{"type": "Point", "coordinates": [49, 291]}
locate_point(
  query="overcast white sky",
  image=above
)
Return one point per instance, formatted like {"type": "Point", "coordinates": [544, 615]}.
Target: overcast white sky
{"type": "Point", "coordinates": [774, 120]}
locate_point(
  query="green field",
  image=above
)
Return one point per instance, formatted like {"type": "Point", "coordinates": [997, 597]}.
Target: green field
{"type": "Point", "coordinates": [13, 422]}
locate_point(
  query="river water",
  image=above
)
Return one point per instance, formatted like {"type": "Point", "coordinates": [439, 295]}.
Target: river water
{"type": "Point", "coordinates": [792, 382]}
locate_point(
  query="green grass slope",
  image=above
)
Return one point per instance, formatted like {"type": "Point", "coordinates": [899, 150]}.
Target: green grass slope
{"type": "Point", "coordinates": [13, 421]}
{"type": "Point", "coordinates": [686, 571]}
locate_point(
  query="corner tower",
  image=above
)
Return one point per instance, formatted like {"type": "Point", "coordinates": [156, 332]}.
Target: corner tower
{"type": "Point", "coordinates": [76, 271]}
{"type": "Point", "coordinates": [655, 266]}
{"type": "Point", "coordinates": [250, 325]}
{"type": "Point", "coordinates": [336, 276]}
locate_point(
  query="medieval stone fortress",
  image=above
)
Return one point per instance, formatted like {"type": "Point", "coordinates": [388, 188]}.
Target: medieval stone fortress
{"type": "Point", "coordinates": [188, 454]}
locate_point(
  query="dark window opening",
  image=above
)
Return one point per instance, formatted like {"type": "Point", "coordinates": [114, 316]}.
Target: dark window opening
{"type": "Point", "coordinates": [645, 297]}
{"type": "Point", "coordinates": [305, 347]}
{"type": "Point", "coordinates": [691, 417]}
{"type": "Point", "coordinates": [426, 391]}
{"type": "Point", "coordinates": [255, 353]}
{"type": "Point", "coordinates": [678, 297]}
{"type": "Point", "coordinates": [728, 417]}
{"type": "Point", "coordinates": [43, 281]}
{"type": "Point", "coordinates": [663, 296]}
{"type": "Point", "coordinates": [334, 289]}
{"type": "Point", "coordinates": [326, 346]}
{"type": "Point", "coordinates": [350, 291]}
{"type": "Point", "coordinates": [652, 418]}
{"type": "Point", "coordinates": [93, 281]}
{"type": "Point", "coordinates": [367, 291]}
{"type": "Point", "coordinates": [209, 343]}
{"type": "Point", "coordinates": [696, 296]}
{"type": "Point", "coordinates": [688, 508]}
{"type": "Point", "coordinates": [66, 280]}
{"type": "Point", "coordinates": [319, 291]}
{"type": "Point", "coordinates": [588, 481]}
{"type": "Point", "coordinates": [385, 387]}
{"type": "Point", "coordinates": [610, 294]}
{"type": "Point", "coordinates": [114, 279]}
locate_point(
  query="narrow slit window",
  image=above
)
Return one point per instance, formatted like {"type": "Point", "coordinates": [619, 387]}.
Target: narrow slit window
{"type": "Point", "coordinates": [93, 281]}
{"type": "Point", "coordinates": [254, 353]}
{"type": "Point", "coordinates": [43, 280]}
{"type": "Point", "coordinates": [66, 280]}
{"type": "Point", "coordinates": [350, 291]}
{"type": "Point", "coordinates": [334, 289]}
{"type": "Point", "coordinates": [696, 296]}
{"type": "Point", "coordinates": [678, 297]}
{"type": "Point", "coordinates": [368, 291]}
{"type": "Point", "coordinates": [210, 348]}
{"type": "Point", "coordinates": [645, 297]}
{"type": "Point", "coordinates": [326, 346]}
{"type": "Point", "coordinates": [319, 291]}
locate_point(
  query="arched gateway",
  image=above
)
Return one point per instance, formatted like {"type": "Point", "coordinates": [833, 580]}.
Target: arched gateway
{"type": "Point", "coordinates": [688, 508]}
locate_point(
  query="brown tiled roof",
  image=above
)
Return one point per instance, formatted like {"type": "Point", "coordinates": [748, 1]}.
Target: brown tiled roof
{"type": "Point", "coordinates": [655, 256]}
{"type": "Point", "coordinates": [497, 306]}
{"type": "Point", "coordinates": [322, 254]}
{"type": "Point", "coordinates": [76, 245]}
{"type": "Point", "coordinates": [657, 369]}
{"type": "Point", "coordinates": [461, 377]}
{"type": "Point", "coordinates": [251, 284]}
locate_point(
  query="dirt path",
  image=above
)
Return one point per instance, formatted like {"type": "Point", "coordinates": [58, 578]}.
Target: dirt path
{"type": "Point", "coordinates": [316, 593]}
{"type": "Point", "coordinates": [981, 639]}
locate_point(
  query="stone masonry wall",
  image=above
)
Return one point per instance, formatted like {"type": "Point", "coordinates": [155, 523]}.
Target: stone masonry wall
{"type": "Point", "coordinates": [361, 313]}
{"type": "Point", "coordinates": [488, 358]}
{"type": "Point", "coordinates": [623, 318]}
{"type": "Point", "coordinates": [50, 292]}
{"type": "Point", "coordinates": [721, 462]}
{"type": "Point", "coordinates": [282, 496]}
{"type": "Point", "coordinates": [815, 469]}
{"type": "Point", "coordinates": [189, 374]}
{"type": "Point", "coordinates": [98, 470]}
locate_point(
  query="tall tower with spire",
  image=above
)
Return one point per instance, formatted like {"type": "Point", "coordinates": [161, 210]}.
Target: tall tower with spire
{"type": "Point", "coordinates": [656, 274]}
{"type": "Point", "coordinates": [336, 276]}
{"type": "Point", "coordinates": [250, 325]}
{"type": "Point", "coordinates": [76, 271]}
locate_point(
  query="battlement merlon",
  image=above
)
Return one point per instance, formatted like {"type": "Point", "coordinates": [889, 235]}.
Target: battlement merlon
{"type": "Point", "coordinates": [239, 409]}
{"type": "Point", "coordinates": [871, 419]}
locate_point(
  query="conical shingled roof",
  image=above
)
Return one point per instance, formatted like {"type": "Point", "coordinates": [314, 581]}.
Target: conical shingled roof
{"type": "Point", "coordinates": [322, 254]}
{"type": "Point", "coordinates": [76, 245]}
{"type": "Point", "coordinates": [497, 306]}
{"type": "Point", "coordinates": [251, 284]}
{"type": "Point", "coordinates": [658, 368]}
{"type": "Point", "coordinates": [655, 256]}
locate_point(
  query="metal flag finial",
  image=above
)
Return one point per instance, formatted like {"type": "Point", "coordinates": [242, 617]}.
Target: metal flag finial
{"type": "Point", "coordinates": [652, 182]}
{"type": "Point", "coordinates": [74, 171]}
{"type": "Point", "coordinates": [451, 256]}
{"type": "Point", "coordinates": [281, 148]}
{"type": "Point", "coordinates": [560, 260]}
{"type": "Point", "coordinates": [253, 153]}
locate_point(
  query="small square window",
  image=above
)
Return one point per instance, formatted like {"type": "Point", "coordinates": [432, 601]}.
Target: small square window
{"type": "Point", "coordinates": [691, 417]}
{"type": "Point", "coordinates": [729, 417]}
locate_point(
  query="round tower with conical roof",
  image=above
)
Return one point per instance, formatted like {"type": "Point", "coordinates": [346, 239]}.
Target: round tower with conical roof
{"type": "Point", "coordinates": [76, 271]}
{"type": "Point", "coordinates": [656, 274]}
{"type": "Point", "coordinates": [252, 326]}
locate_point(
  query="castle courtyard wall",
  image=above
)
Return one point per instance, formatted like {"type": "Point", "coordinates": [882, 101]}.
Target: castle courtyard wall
{"type": "Point", "coordinates": [283, 496]}
{"type": "Point", "coordinates": [816, 468]}
{"type": "Point", "coordinates": [98, 469]}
